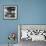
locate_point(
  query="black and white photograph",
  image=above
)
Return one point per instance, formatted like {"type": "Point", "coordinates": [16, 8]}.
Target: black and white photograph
{"type": "Point", "coordinates": [33, 32]}
{"type": "Point", "coordinates": [10, 12]}
{"type": "Point", "coordinates": [32, 35]}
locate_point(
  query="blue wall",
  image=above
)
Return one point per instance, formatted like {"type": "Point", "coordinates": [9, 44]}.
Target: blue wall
{"type": "Point", "coordinates": [29, 12]}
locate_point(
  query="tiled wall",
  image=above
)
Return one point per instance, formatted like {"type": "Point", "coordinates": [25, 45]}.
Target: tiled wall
{"type": "Point", "coordinates": [34, 27]}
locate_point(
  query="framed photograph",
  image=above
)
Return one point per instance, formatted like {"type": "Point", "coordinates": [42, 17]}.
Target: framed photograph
{"type": "Point", "coordinates": [32, 32]}
{"type": "Point", "coordinates": [10, 12]}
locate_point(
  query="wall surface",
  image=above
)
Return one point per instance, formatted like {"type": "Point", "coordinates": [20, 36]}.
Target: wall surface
{"type": "Point", "coordinates": [29, 12]}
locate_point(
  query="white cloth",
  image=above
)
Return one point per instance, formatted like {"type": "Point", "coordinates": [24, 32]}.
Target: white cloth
{"type": "Point", "coordinates": [24, 33]}
{"type": "Point", "coordinates": [37, 37]}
